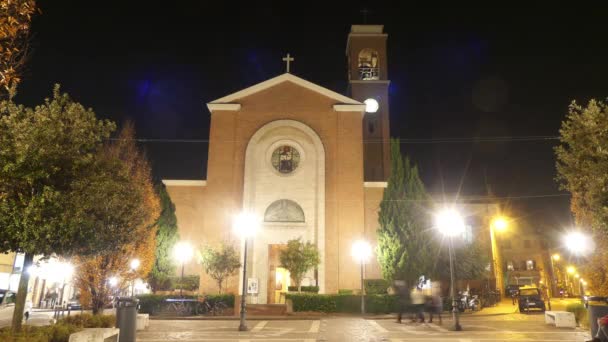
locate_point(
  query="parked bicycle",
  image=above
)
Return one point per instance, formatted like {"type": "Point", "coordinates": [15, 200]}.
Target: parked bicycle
{"type": "Point", "coordinates": [213, 307]}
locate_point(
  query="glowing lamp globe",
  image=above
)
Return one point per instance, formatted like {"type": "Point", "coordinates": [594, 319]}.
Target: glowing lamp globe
{"type": "Point", "coordinates": [578, 242]}
{"type": "Point", "coordinates": [500, 223]}
{"type": "Point", "coordinates": [246, 224]}
{"type": "Point", "coordinates": [135, 264]}
{"type": "Point", "coordinates": [361, 251]}
{"type": "Point", "coordinates": [371, 105]}
{"type": "Point", "coordinates": [183, 252]}
{"type": "Point", "coordinates": [449, 222]}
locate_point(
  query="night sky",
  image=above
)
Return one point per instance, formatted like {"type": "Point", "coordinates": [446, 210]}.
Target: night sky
{"type": "Point", "coordinates": [465, 72]}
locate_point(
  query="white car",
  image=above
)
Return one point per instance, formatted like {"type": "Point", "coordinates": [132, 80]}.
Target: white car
{"type": "Point", "coordinates": [7, 305]}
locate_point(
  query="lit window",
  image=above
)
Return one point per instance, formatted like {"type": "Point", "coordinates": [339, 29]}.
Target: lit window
{"type": "Point", "coordinates": [530, 265]}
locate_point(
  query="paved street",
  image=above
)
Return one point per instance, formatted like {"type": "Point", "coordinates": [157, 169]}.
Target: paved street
{"type": "Point", "coordinates": [513, 327]}
{"type": "Point", "coordinates": [36, 318]}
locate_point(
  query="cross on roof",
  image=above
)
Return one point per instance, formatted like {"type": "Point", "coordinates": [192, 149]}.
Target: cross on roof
{"type": "Point", "coordinates": [287, 59]}
{"type": "Point", "coordinates": [365, 12]}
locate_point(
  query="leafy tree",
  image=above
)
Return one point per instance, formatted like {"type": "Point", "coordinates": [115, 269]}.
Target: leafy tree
{"type": "Point", "coordinates": [15, 24]}
{"type": "Point", "coordinates": [404, 244]}
{"type": "Point", "coordinates": [298, 258]}
{"type": "Point", "coordinates": [220, 263]}
{"type": "Point", "coordinates": [166, 237]}
{"type": "Point", "coordinates": [470, 261]}
{"type": "Point", "coordinates": [122, 179]}
{"type": "Point", "coordinates": [582, 166]}
{"type": "Point", "coordinates": [46, 157]}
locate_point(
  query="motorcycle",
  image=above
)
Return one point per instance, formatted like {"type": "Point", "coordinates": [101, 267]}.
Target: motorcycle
{"type": "Point", "coordinates": [467, 301]}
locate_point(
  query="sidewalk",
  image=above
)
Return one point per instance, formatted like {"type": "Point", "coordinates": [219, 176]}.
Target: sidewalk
{"type": "Point", "coordinates": [505, 307]}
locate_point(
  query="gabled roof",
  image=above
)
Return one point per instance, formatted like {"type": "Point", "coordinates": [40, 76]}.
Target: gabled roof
{"type": "Point", "coordinates": [287, 77]}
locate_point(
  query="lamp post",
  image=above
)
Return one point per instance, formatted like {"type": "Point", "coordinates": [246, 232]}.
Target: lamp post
{"type": "Point", "coordinates": [245, 226]}
{"type": "Point", "coordinates": [570, 271]}
{"type": "Point", "coordinates": [450, 224]}
{"type": "Point", "coordinates": [361, 252]}
{"type": "Point", "coordinates": [134, 266]}
{"type": "Point", "coordinates": [182, 251]}
{"type": "Point", "coordinates": [554, 258]}
{"type": "Point", "coordinates": [498, 224]}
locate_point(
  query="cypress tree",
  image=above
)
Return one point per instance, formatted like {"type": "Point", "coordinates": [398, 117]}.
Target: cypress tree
{"type": "Point", "coordinates": [404, 244]}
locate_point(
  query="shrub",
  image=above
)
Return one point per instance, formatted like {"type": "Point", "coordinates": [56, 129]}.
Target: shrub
{"type": "Point", "coordinates": [90, 321]}
{"type": "Point", "coordinates": [311, 289]}
{"type": "Point", "coordinates": [345, 291]}
{"type": "Point", "coordinates": [189, 283]}
{"type": "Point", "coordinates": [313, 302]}
{"type": "Point", "coordinates": [342, 303]}
{"type": "Point", "coordinates": [579, 311]}
{"type": "Point", "coordinates": [59, 332]}
{"type": "Point", "coordinates": [376, 286]}
{"type": "Point", "coordinates": [155, 304]}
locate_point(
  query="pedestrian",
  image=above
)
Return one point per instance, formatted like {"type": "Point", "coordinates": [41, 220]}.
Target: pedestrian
{"type": "Point", "coordinates": [602, 330]}
{"type": "Point", "coordinates": [401, 291]}
{"type": "Point", "coordinates": [436, 302]}
{"type": "Point", "coordinates": [418, 304]}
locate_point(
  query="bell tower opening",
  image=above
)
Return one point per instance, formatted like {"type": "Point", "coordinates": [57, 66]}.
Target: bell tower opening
{"type": "Point", "coordinates": [368, 83]}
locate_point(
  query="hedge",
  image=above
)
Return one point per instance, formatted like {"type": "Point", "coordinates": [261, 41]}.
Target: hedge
{"type": "Point", "coordinates": [154, 304]}
{"type": "Point", "coordinates": [376, 286]}
{"type": "Point", "coordinates": [342, 303]}
{"type": "Point", "coordinates": [311, 289]}
{"type": "Point", "coordinates": [60, 331]}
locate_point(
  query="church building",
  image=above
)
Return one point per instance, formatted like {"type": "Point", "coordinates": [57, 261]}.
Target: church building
{"type": "Point", "coordinates": [309, 162]}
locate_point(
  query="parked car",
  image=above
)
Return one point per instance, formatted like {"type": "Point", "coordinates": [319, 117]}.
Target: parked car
{"type": "Point", "coordinates": [74, 304]}
{"type": "Point", "coordinates": [7, 304]}
{"type": "Point", "coordinates": [530, 298]}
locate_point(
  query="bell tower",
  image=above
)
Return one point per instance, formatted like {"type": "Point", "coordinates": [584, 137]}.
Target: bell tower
{"type": "Point", "coordinates": [368, 83]}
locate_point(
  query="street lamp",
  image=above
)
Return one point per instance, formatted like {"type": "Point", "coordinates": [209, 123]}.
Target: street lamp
{"type": "Point", "coordinates": [450, 224]}
{"type": "Point", "coordinates": [134, 266]}
{"type": "Point", "coordinates": [554, 258]}
{"type": "Point", "coordinates": [578, 242]}
{"type": "Point", "coordinates": [182, 251]}
{"type": "Point", "coordinates": [498, 224]}
{"type": "Point", "coordinates": [245, 226]}
{"type": "Point", "coordinates": [361, 252]}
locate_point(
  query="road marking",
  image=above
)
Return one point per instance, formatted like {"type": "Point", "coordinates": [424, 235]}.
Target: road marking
{"type": "Point", "coordinates": [314, 328]}
{"type": "Point", "coordinates": [259, 326]}
{"type": "Point", "coordinates": [377, 326]}
{"type": "Point", "coordinates": [436, 327]}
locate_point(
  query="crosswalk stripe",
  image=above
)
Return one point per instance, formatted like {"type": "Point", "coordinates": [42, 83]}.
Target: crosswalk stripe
{"type": "Point", "coordinates": [377, 326]}
{"type": "Point", "coordinates": [259, 326]}
{"type": "Point", "coordinates": [314, 327]}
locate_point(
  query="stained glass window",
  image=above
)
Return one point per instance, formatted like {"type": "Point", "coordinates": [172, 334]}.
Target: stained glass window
{"type": "Point", "coordinates": [285, 159]}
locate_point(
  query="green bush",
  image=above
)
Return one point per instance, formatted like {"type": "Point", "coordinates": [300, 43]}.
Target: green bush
{"type": "Point", "coordinates": [312, 289]}
{"type": "Point", "coordinates": [90, 321]}
{"type": "Point", "coordinates": [312, 302]}
{"type": "Point", "coordinates": [579, 311]}
{"type": "Point", "coordinates": [342, 303]}
{"type": "Point", "coordinates": [155, 304]}
{"type": "Point", "coordinates": [189, 283]}
{"type": "Point", "coordinates": [59, 332]}
{"type": "Point", "coordinates": [345, 291]}
{"type": "Point", "coordinates": [376, 286]}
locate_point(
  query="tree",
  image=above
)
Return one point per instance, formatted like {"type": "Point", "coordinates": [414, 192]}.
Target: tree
{"type": "Point", "coordinates": [166, 237]}
{"type": "Point", "coordinates": [46, 154]}
{"type": "Point", "coordinates": [582, 166]}
{"type": "Point", "coordinates": [220, 263]}
{"type": "Point", "coordinates": [405, 248]}
{"type": "Point", "coordinates": [131, 203]}
{"type": "Point", "coordinates": [15, 23]}
{"type": "Point", "coordinates": [298, 258]}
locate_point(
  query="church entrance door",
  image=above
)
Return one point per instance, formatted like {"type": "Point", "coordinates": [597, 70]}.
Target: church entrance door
{"type": "Point", "coordinates": [278, 278]}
